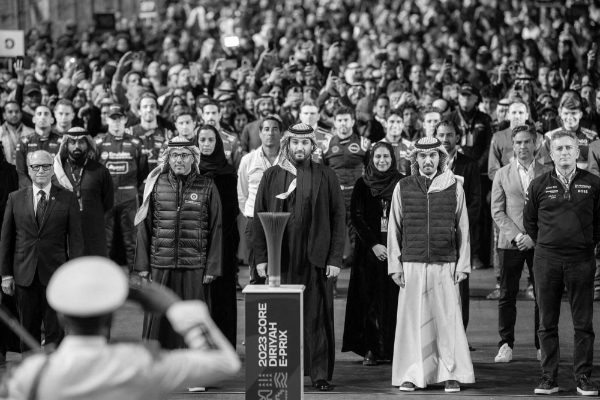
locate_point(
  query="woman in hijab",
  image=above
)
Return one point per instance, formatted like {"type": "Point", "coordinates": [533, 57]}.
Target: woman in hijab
{"type": "Point", "coordinates": [372, 295]}
{"type": "Point", "coordinates": [222, 291]}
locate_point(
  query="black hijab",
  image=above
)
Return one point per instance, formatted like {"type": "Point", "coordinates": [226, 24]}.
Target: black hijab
{"type": "Point", "coordinates": [215, 163]}
{"type": "Point", "coordinates": [382, 184]}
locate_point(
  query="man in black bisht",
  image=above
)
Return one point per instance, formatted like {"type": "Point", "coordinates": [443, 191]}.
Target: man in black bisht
{"type": "Point", "coordinates": [76, 170]}
{"type": "Point", "coordinates": [313, 242]}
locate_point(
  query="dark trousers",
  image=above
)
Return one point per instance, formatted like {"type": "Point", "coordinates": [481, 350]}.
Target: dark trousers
{"type": "Point", "coordinates": [551, 277]}
{"type": "Point", "coordinates": [510, 275]}
{"type": "Point", "coordinates": [463, 289]}
{"type": "Point", "coordinates": [120, 226]}
{"type": "Point", "coordinates": [248, 236]}
{"type": "Point", "coordinates": [33, 309]}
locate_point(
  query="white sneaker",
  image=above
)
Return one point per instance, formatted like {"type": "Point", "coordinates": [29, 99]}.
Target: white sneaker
{"type": "Point", "coordinates": [539, 355]}
{"type": "Point", "coordinates": [504, 354]}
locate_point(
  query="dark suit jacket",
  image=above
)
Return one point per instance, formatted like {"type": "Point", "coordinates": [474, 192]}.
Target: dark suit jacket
{"type": "Point", "coordinates": [467, 168]}
{"type": "Point", "coordinates": [328, 226]}
{"type": "Point", "coordinates": [25, 248]}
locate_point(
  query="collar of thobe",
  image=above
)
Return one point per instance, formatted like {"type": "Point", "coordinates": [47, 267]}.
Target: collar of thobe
{"type": "Point", "coordinates": [441, 181]}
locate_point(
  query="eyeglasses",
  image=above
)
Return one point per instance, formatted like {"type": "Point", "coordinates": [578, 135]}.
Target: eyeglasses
{"type": "Point", "coordinates": [45, 167]}
{"type": "Point", "coordinates": [183, 156]}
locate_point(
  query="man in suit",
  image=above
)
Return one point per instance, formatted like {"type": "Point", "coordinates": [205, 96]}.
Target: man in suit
{"type": "Point", "coordinates": [41, 231]}
{"type": "Point", "coordinates": [465, 167]}
{"type": "Point", "coordinates": [515, 246]}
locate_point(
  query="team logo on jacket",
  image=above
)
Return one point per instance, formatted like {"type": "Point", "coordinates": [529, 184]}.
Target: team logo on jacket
{"type": "Point", "coordinates": [335, 149]}
{"type": "Point", "coordinates": [194, 196]}
{"type": "Point", "coordinates": [104, 155]}
{"type": "Point", "coordinates": [354, 148]}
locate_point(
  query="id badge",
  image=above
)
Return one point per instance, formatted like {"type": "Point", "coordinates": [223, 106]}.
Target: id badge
{"type": "Point", "coordinates": [384, 224]}
{"type": "Point", "coordinates": [469, 139]}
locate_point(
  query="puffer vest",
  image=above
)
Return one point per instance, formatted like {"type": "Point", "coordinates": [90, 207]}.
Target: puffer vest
{"type": "Point", "coordinates": [428, 222]}
{"type": "Point", "coordinates": [180, 222]}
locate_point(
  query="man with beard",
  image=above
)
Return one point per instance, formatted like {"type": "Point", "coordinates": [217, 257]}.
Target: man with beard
{"type": "Point", "coordinates": [43, 139]}
{"type": "Point", "coordinates": [148, 130]}
{"type": "Point", "coordinates": [428, 254]}
{"type": "Point", "coordinates": [32, 98]}
{"type": "Point", "coordinates": [571, 112]}
{"type": "Point", "coordinates": [12, 130]}
{"type": "Point", "coordinates": [250, 139]}
{"type": "Point", "coordinates": [211, 114]}
{"type": "Point", "coordinates": [123, 155]}
{"type": "Point", "coordinates": [555, 81]}
{"type": "Point", "coordinates": [179, 234]}
{"type": "Point", "coordinates": [347, 154]}
{"type": "Point", "coordinates": [77, 170]}
{"type": "Point", "coordinates": [394, 137]}
{"type": "Point", "coordinates": [466, 170]}
{"type": "Point", "coordinates": [252, 168]}
{"type": "Point", "coordinates": [313, 241]}
{"type": "Point", "coordinates": [412, 130]}
{"type": "Point", "coordinates": [309, 115]}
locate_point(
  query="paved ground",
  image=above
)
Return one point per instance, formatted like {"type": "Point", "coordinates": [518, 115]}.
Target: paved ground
{"type": "Point", "coordinates": [354, 381]}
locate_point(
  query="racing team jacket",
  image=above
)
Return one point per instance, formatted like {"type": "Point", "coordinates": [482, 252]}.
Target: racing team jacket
{"type": "Point", "coordinates": [153, 141]}
{"type": "Point", "coordinates": [124, 157]}
{"type": "Point", "coordinates": [347, 158]}
{"type": "Point", "coordinates": [30, 144]}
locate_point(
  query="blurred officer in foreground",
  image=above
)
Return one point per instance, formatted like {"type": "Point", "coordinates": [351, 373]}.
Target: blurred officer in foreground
{"type": "Point", "coordinates": [85, 293]}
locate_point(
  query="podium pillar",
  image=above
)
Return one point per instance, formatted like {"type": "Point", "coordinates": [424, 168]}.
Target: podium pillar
{"type": "Point", "coordinates": [274, 342]}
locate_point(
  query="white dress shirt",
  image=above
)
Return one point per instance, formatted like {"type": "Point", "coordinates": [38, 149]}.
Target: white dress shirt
{"type": "Point", "coordinates": [250, 173]}
{"type": "Point", "coordinates": [36, 195]}
{"type": "Point", "coordinates": [526, 174]}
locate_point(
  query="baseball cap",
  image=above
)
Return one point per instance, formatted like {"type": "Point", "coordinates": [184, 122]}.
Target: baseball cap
{"type": "Point", "coordinates": [468, 89]}
{"type": "Point", "coordinates": [31, 88]}
{"type": "Point", "coordinates": [116, 110]}
{"type": "Point", "coordinates": [87, 287]}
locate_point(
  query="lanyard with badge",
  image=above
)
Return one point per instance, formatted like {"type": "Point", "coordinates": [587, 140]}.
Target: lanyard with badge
{"type": "Point", "coordinates": [384, 216]}
{"type": "Point", "coordinates": [77, 182]}
{"type": "Point", "coordinates": [467, 138]}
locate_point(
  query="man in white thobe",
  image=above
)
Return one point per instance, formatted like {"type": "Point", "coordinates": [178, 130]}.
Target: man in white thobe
{"type": "Point", "coordinates": [428, 244]}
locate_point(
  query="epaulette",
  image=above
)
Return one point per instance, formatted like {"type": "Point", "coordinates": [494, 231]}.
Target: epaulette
{"type": "Point", "coordinates": [591, 135]}
{"type": "Point", "coordinates": [365, 143]}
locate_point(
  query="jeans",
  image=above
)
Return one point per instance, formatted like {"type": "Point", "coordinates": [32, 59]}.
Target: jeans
{"type": "Point", "coordinates": [254, 278]}
{"type": "Point", "coordinates": [510, 275]}
{"type": "Point", "coordinates": [551, 277]}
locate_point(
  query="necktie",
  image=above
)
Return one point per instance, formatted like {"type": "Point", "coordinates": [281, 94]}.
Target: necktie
{"type": "Point", "coordinates": [41, 208]}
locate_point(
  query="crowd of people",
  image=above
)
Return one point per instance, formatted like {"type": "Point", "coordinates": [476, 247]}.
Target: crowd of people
{"type": "Point", "coordinates": [412, 141]}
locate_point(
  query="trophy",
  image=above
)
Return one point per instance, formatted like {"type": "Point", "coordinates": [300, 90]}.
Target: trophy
{"type": "Point", "coordinates": [274, 225]}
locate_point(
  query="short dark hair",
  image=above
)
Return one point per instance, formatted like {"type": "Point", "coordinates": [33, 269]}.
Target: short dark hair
{"type": "Point", "coordinates": [148, 95]}
{"type": "Point", "coordinates": [429, 110]}
{"type": "Point", "coordinates": [407, 106]}
{"type": "Point", "coordinates": [382, 97]}
{"type": "Point", "coordinates": [524, 128]}
{"type": "Point", "coordinates": [309, 103]}
{"type": "Point", "coordinates": [450, 123]}
{"type": "Point", "coordinates": [11, 102]}
{"type": "Point", "coordinates": [65, 102]}
{"type": "Point", "coordinates": [184, 111]}
{"type": "Point", "coordinates": [572, 104]}
{"type": "Point", "coordinates": [212, 102]}
{"type": "Point", "coordinates": [489, 92]}
{"type": "Point", "coordinates": [344, 110]}
{"type": "Point", "coordinates": [396, 112]}
{"type": "Point", "coordinates": [271, 118]}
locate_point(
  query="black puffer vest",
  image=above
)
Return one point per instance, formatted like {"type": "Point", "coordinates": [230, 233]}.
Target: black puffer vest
{"type": "Point", "coordinates": [180, 226]}
{"type": "Point", "coordinates": [429, 222]}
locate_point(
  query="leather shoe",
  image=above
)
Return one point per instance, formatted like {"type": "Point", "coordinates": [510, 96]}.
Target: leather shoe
{"type": "Point", "coordinates": [370, 359]}
{"type": "Point", "coordinates": [322, 385]}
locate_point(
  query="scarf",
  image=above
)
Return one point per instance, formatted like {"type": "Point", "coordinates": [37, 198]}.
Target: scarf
{"type": "Point", "coordinates": [163, 167]}
{"type": "Point", "coordinates": [382, 184]}
{"type": "Point", "coordinates": [298, 131]}
{"type": "Point", "coordinates": [216, 163]}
